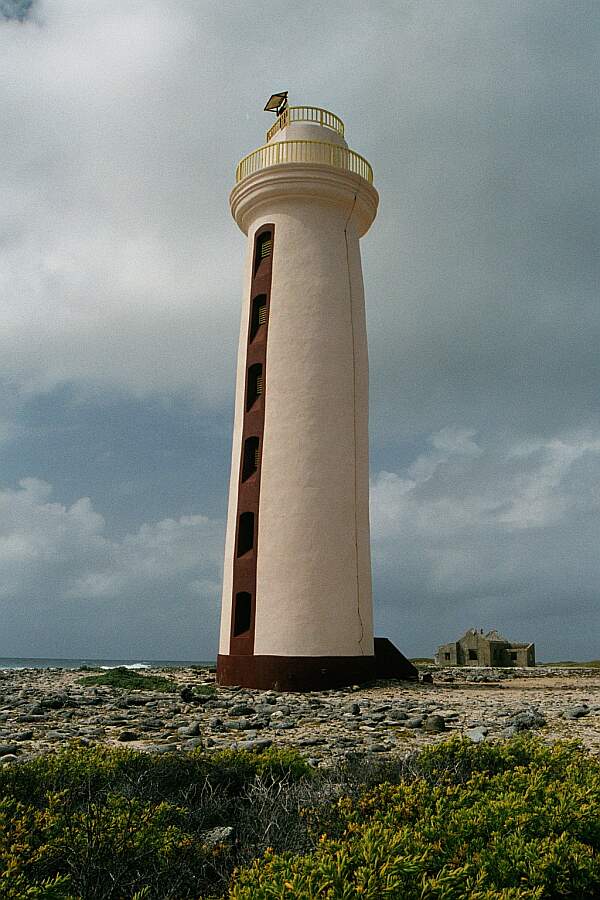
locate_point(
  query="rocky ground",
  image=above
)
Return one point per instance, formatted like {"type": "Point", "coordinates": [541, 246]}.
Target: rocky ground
{"type": "Point", "coordinates": [41, 709]}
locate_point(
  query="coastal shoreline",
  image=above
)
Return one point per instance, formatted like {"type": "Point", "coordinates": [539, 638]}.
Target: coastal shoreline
{"type": "Point", "coordinates": [42, 710]}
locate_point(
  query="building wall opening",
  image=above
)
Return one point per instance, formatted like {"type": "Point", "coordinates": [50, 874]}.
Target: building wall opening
{"type": "Point", "coordinates": [259, 314]}
{"type": "Point", "coordinates": [250, 460]}
{"type": "Point", "coordinates": [245, 533]}
{"type": "Point", "coordinates": [242, 615]}
{"type": "Point", "coordinates": [473, 654]}
{"type": "Point", "coordinates": [264, 245]}
{"type": "Point", "coordinates": [255, 385]}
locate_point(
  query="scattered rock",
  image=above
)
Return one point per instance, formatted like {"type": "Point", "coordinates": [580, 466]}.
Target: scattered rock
{"type": "Point", "coordinates": [528, 719]}
{"type": "Point", "coordinates": [576, 712]}
{"type": "Point", "coordinates": [53, 735]}
{"type": "Point", "coordinates": [333, 722]}
{"type": "Point", "coordinates": [8, 749]}
{"type": "Point", "coordinates": [241, 709]}
{"type": "Point", "coordinates": [220, 835]}
{"type": "Point", "coordinates": [398, 715]}
{"type": "Point", "coordinates": [255, 745]}
{"type": "Point", "coordinates": [414, 723]}
{"type": "Point", "coordinates": [190, 730]}
{"type": "Point", "coordinates": [58, 701]}
{"type": "Point", "coordinates": [476, 735]}
{"type": "Point", "coordinates": [434, 724]}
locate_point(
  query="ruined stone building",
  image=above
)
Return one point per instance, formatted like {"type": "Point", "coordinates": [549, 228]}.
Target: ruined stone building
{"type": "Point", "coordinates": [475, 648]}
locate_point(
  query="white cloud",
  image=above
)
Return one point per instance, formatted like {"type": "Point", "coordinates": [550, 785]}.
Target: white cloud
{"type": "Point", "coordinates": [157, 554]}
{"type": "Point", "coordinates": [507, 531]}
{"type": "Point", "coordinates": [40, 539]}
{"type": "Point", "coordinates": [477, 488]}
{"type": "Point", "coordinates": [51, 554]}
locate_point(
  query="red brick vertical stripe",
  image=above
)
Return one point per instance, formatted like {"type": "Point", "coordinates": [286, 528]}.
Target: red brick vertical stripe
{"type": "Point", "coordinates": [244, 567]}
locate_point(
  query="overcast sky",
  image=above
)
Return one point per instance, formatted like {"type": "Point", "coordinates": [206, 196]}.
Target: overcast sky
{"type": "Point", "coordinates": [120, 288]}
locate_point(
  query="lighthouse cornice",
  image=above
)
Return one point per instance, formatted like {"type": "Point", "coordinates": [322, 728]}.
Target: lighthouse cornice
{"type": "Point", "coordinates": [318, 183]}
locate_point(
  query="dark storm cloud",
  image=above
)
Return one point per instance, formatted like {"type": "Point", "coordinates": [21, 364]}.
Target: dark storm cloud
{"type": "Point", "coordinates": [120, 272]}
{"type": "Point", "coordinates": [489, 264]}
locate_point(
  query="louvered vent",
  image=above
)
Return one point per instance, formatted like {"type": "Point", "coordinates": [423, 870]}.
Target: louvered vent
{"type": "Point", "coordinates": [264, 247]}
{"type": "Point", "coordinates": [259, 314]}
{"type": "Point", "coordinates": [255, 385]}
{"type": "Point", "coordinates": [251, 457]}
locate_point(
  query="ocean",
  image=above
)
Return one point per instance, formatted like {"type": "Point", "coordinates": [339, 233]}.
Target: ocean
{"type": "Point", "coordinates": [7, 662]}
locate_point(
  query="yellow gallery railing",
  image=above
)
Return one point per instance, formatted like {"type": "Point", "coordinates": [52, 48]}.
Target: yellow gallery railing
{"type": "Point", "coordinates": [304, 152]}
{"type": "Point", "coordinates": [306, 114]}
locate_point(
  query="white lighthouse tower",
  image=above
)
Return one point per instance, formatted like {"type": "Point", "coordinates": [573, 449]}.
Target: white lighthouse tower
{"type": "Point", "coordinates": [297, 603]}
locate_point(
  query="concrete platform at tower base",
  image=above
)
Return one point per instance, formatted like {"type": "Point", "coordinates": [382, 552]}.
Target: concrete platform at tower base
{"type": "Point", "coordinates": [313, 673]}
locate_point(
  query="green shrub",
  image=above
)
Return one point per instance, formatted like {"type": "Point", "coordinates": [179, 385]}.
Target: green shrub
{"type": "Point", "coordinates": [458, 820]}
{"type": "Point", "coordinates": [130, 680]}
{"type": "Point", "coordinates": [516, 820]}
{"type": "Point", "coordinates": [17, 887]}
{"type": "Point", "coordinates": [107, 822]}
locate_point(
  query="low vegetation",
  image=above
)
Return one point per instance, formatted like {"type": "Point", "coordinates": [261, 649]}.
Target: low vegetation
{"type": "Point", "coordinates": [130, 680]}
{"type": "Point", "coordinates": [571, 664]}
{"type": "Point", "coordinates": [518, 820]}
{"type": "Point", "coordinates": [458, 820]}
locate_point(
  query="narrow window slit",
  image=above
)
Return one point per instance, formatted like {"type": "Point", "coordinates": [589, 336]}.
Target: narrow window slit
{"type": "Point", "coordinates": [259, 315]}
{"type": "Point", "coordinates": [264, 246]}
{"type": "Point", "coordinates": [245, 533]}
{"type": "Point", "coordinates": [242, 615]}
{"type": "Point", "coordinates": [251, 457]}
{"type": "Point", "coordinates": [255, 385]}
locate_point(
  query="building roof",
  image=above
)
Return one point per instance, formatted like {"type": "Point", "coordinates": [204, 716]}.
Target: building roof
{"type": "Point", "coordinates": [493, 636]}
{"type": "Point", "coordinates": [496, 636]}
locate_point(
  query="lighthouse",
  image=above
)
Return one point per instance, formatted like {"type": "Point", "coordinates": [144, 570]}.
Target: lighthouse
{"type": "Point", "coordinates": [297, 610]}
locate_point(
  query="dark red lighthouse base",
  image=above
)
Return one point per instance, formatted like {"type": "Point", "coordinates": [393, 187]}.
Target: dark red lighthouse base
{"type": "Point", "coordinates": [314, 673]}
